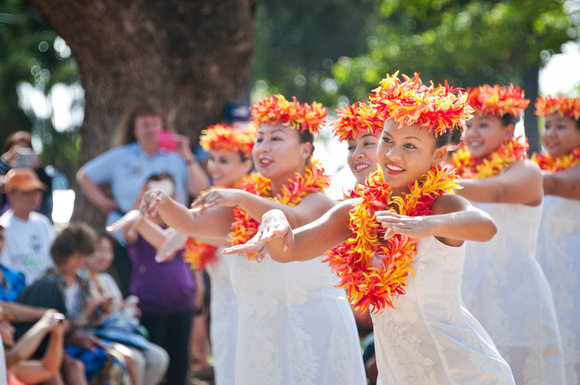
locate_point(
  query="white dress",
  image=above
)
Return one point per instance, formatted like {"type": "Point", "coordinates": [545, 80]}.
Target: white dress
{"type": "Point", "coordinates": [430, 337]}
{"type": "Point", "coordinates": [506, 290]}
{"type": "Point", "coordinates": [224, 319]}
{"type": "Point", "coordinates": [294, 326]}
{"type": "Point", "coordinates": [559, 256]}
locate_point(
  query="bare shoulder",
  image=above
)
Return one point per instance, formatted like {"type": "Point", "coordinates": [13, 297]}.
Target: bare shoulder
{"type": "Point", "coordinates": [525, 168]}
{"type": "Point", "coordinates": [320, 200]}
{"type": "Point", "coordinates": [449, 203]}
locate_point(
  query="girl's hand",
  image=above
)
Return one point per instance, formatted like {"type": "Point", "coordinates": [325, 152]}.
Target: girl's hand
{"type": "Point", "coordinates": [129, 221]}
{"type": "Point", "coordinates": [253, 246]}
{"type": "Point", "coordinates": [174, 241]}
{"type": "Point", "coordinates": [216, 198]}
{"type": "Point", "coordinates": [151, 199]}
{"type": "Point", "coordinates": [412, 227]}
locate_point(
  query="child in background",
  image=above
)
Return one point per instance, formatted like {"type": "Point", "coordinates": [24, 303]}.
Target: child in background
{"type": "Point", "coordinates": [151, 360]}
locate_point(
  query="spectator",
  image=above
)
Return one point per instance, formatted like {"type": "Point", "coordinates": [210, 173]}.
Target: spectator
{"type": "Point", "coordinates": [28, 234]}
{"type": "Point", "coordinates": [17, 153]}
{"type": "Point", "coordinates": [151, 360]}
{"type": "Point", "coordinates": [11, 282]}
{"type": "Point", "coordinates": [127, 166]}
{"type": "Point", "coordinates": [64, 288]}
{"type": "Point", "coordinates": [18, 355]}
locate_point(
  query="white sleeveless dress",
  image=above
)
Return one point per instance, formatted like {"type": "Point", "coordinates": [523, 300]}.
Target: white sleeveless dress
{"type": "Point", "coordinates": [293, 326]}
{"type": "Point", "coordinates": [430, 337]}
{"type": "Point", "coordinates": [559, 256]}
{"type": "Point", "coordinates": [224, 319]}
{"type": "Point", "coordinates": [506, 290]}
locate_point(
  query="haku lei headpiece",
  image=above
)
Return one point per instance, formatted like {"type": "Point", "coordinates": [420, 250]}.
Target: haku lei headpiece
{"type": "Point", "coordinates": [370, 286]}
{"type": "Point", "coordinates": [222, 137]}
{"type": "Point", "coordinates": [356, 119]}
{"type": "Point", "coordinates": [557, 163]}
{"type": "Point", "coordinates": [568, 107]}
{"type": "Point", "coordinates": [412, 103]}
{"type": "Point", "coordinates": [312, 180]}
{"type": "Point", "coordinates": [509, 152]}
{"type": "Point", "coordinates": [498, 100]}
{"type": "Point", "coordinates": [276, 109]}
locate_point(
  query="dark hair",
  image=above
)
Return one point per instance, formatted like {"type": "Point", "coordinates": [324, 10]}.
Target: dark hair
{"type": "Point", "coordinates": [577, 123]}
{"type": "Point", "coordinates": [160, 176]}
{"type": "Point", "coordinates": [102, 234]}
{"type": "Point", "coordinates": [508, 119]}
{"type": "Point", "coordinates": [15, 138]}
{"type": "Point", "coordinates": [76, 238]}
{"type": "Point", "coordinates": [449, 138]}
{"type": "Point", "coordinates": [126, 129]}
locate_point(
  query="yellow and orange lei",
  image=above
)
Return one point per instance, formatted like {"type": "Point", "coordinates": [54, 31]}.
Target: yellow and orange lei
{"type": "Point", "coordinates": [551, 163]}
{"type": "Point", "coordinates": [375, 287]}
{"type": "Point", "coordinates": [312, 180]}
{"type": "Point", "coordinates": [355, 119]}
{"type": "Point", "coordinates": [471, 167]}
{"type": "Point", "coordinates": [276, 109]}
{"type": "Point", "coordinates": [222, 137]}
{"type": "Point", "coordinates": [498, 100]}
{"type": "Point", "coordinates": [568, 107]}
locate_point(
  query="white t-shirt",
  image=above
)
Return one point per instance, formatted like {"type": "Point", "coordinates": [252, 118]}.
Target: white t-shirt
{"type": "Point", "coordinates": [3, 373]}
{"type": "Point", "coordinates": [27, 247]}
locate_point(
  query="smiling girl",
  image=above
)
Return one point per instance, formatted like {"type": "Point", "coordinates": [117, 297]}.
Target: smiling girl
{"type": "Point", "coordinates": [503, 285]}
{"type": "Point", "coordinates": [403, 253]}
{"type": "Point", "coordinates": [293, 326]}
{"type": "Point", "coordinates": [558, 243]}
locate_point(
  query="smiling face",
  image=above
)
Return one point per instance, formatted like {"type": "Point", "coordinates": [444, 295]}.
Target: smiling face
{"type": "Point", "coordinates": [362, 155]}
{"type": "Point", "coordinates": [561, 135]}
{"type": "Point", "coordinates": [405, 154]}
{"type": "Point", "coordinates": [485, 134]}
{"type": "Point", "coordinates": [278, 153]}
{"type": "Point", "coordinates": [226, 168]}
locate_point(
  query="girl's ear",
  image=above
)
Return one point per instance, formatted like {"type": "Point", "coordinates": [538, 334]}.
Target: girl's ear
{"type": "Point", "coordinates": [509, 132]}
{"type": "Point", "coordinates": [247, 165]}
{"type": "Point", "coordinates": [306, 150]}
{"type": "Point", "coordinates": [439, 155]}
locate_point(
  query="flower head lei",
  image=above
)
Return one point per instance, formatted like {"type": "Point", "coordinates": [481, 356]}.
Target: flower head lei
{"type": "Point", "coordinates": [222, 137]}
{"type": "Point", "coordinates": [412, 103]}
{"type": "Point", "coordinates": [568, 107]}
{"type": "Point", "coordinates": [356, 119]}
{"type": "Point", "coordinates": [276, 109]}
{"type": "Point", "coordinates": [498, 100]}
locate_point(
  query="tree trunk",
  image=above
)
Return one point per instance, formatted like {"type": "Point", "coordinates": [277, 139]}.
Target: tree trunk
{"type": "Point", "coordinates": [531, 80]}
{"type": "Point", "coordinates": [191, 56]}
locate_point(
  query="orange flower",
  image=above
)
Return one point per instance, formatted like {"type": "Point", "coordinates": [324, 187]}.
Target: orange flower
{"type": "Point", "coordinates": [222, 137]}
{"type": "Point", "coordinates": [509, 152]}
{"type": "Point", "coordinates": [412, 103]}
{"type": "Point", "coordinates": [276, 109]}
{"type": "Point", "coordinates": [568, 107]}
{"type": "Point", "coordinates": [498, 100]}
{"type": "Point", "coordinates": [355, 119]}
{"type": "Point", "coordinates": [557, 163]}
{"type": "Point", "coordinates": [313, 180]}
{"type": "Point", "coordinates": [198, 254]}
{"type": "Point", "coordinates": [374, 286]}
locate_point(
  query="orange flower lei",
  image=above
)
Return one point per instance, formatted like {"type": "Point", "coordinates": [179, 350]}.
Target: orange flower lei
{"type": "Point", "coordinates": [412, 103]}
{"type": "Point", "coordinates": [471, 167]}
{"type": "Point", "coordinates": [557, 163]}
{"type": "Point", "coordinates": [375, 287]}
{"type": "Point", "coordinates": [498, 100]}
{"type": "Point", "coordinates": [198, 254]}
{"type": "Point", "coordinates": [313, 180]}
{"type": "Point", "coordinates": [569, 107]}
{"type": "Point", "coordinates": [355, 119]}
{"type": "Point", "coordinates": [276, 109]}
{"type": "Point", "coordinates": [222, 137]}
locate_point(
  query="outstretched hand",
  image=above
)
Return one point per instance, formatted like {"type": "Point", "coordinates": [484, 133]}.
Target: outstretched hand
{"type": "Point", "coordinates": [151, 200]}
{"type": "Point", "coordinates": [215, 198]}
{"type": "Point", "coordinates": [174, 241]}
{"type": "Point", "coordinates": [412, 227]}
{"type": "Point", "coordinates": [129, 221]}
{"type": "Point", "coordinates": [274, 225]}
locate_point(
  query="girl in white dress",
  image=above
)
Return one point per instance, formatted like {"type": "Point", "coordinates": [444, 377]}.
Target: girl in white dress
{"type": "Point", "coordinates": [503, 284]}
{"type": "Point", "coordinates": [398, 261]}
{"type": "Point", "coordinates": [293, 326]}
{"type": "Point", "coordinates": [559, 239]}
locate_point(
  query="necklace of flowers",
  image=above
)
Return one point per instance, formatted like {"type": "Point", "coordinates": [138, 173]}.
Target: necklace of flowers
{"type": "Point", "coordinates": [375, 287]}
{"type": "Point", "coordinates": [509, 152]}
{"type": "Point", "coordinates": [559, 162]}
{"type": "Point", "coordinates": [312, 180]}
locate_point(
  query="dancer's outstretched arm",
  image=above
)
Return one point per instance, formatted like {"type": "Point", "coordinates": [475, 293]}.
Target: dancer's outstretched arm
{"type": "Point", "coordinates": [565, 184]}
